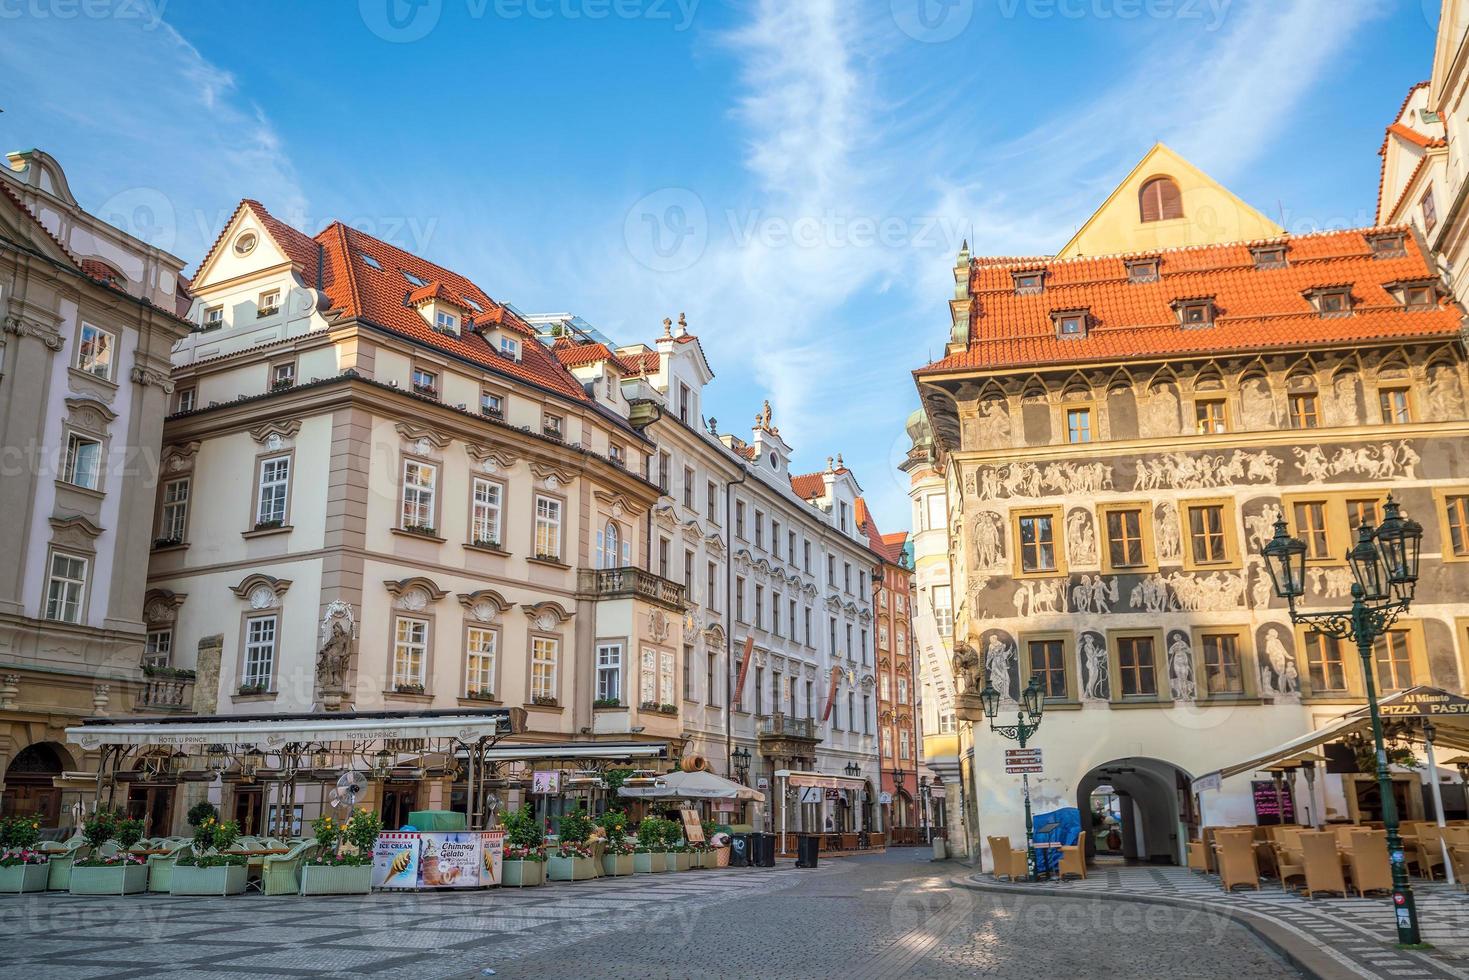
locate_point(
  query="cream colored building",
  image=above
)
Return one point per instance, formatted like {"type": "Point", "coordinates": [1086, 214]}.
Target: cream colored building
{"type": "Point", "coordinates": [90, 313]}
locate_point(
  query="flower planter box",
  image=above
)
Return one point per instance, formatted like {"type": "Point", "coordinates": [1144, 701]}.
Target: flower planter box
{"type": "Point", "coordinates": [24, 878]}
{"type": "Point", "coordinates": [700, 860]}
{"type": "Point", "coordinates": [618, 865]}
{"type": "Point", "coordinates": [340, 879]}
{"type": "Point", "coordinates": [678, 860]}
{"type": "Point", "coordinates": [570, 868]}
{"type": "Point", "coordinates": [227, 880]}
{"type": "Point", "coordinates": [522, 874]}
{"type": "Point", "coordinates": [650, 862]}
{"type": "Point", "coordinates": [117, 879]}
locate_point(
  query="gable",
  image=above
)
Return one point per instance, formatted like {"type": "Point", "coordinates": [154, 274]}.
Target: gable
{"type": "Point", "coordinates": [224, 263]}
{"type": "Point", "coordinates": [1211, 215]}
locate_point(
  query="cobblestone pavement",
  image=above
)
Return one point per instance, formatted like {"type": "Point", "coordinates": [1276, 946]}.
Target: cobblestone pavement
{"type": "Point", "coordinates": [1359, 933]}
{"type": "Point", "coordinates": [867, 917]}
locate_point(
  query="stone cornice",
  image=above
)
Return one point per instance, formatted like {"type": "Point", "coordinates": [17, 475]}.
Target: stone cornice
{"type": "Point", "coordinates": [24, 327]}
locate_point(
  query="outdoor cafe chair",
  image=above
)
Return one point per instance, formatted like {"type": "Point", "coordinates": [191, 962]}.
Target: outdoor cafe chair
{"type": "Point", "coordinates": [1371, 870]}
{"type": "Point", "coordinates": [280, 874]}
{"type": "Point", "coordinates": [1009, 863]}
{"type": "Point", "coordinates": [1290, 863]}
{"type": "Point", "coordinates": [1198, 856]}
{"type": "Point", "coordinates": [160, 866]}
{"type": "Point", "coordinates": [1237, 861]}
{"type": "Point", "coordinates": [1322, 863]}
{"type": "Point", "coordinates": [1344, 832]}
{"type": "Point", "coordinates": [1073, 861]}
{"type": "Point", "coordinates": [1427, 850]}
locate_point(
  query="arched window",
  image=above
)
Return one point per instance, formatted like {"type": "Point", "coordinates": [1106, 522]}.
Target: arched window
{"type": "Point", "coordinates": [1159, 200]}
{"type": "Point", "coordinates": [612, 550]}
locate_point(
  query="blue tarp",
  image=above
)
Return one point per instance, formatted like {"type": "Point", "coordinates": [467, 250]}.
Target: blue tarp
{"type": "Point", "coordinates": [1061, 826]}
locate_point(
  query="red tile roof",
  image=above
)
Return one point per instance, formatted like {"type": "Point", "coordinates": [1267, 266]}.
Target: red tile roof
{"type": "Point", "coordinates": [1256, 309]}
{"type": "Point", "coordinates": [644, 364]}
{"type": "Point", "coordinates": [434, 291]}
{"type": "Point", "coordinates": [573, 354]}
{"type": "Point", "coordinates": [808, 486]}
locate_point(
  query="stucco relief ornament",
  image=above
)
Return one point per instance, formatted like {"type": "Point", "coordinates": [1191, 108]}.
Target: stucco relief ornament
{"type": "Point", "coordinates": [1331, 583]}
{"type": "Point", "coordinates": [1445, 396]}
{"type": "Point", "coordinates": [546, 621]}
{"type": "Point", "coordinates": [262, 597]}
{"type": "Point", "coordinates": [483, 611]}
{"type": "Point", "coordinates": [333, 658]}
{"type": "Point", "coordinates": [1093, 595]}
{"type": "Point", "coordinates": [422, 447]}
{"type": "Point", "coordinates": [1033, 597]}
{"type": "Point", "coordinates": [413, 600]}
{"type": "Point", "coordinates": [274, 442]}
{"type": "Point", "coordinates": [989, 541]}
{"type": "Point", "coordinates": [658, 625]}
{"type": "Point", "coordinates": [1166, 524]}
{"type": "Point", "coordinates": [1278, 676]}
{"type": "Point", "coordinates": [1094, 666]}
{"type": "Point", "coordinates": [1181, 681]}
{"type": "Point", "coordinates": [1081, 539]}
{"type": "Point", "coordinates": [156, 612]}
{"type": "Point", "coordinates": [489, 466]}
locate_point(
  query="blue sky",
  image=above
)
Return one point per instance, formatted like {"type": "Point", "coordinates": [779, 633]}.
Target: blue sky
{"type": "Point", "coordinates": [794, 174]}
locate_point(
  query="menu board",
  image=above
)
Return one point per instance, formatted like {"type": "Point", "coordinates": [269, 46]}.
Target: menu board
{"type": "Point", "coordinates": [395, 861]}
{"type": "Point", "coordinates": [693, 830]}
{"type": "Point", "coordinates": [457, 859]}
{"type": "Point", "coordinates": [1268, 805]}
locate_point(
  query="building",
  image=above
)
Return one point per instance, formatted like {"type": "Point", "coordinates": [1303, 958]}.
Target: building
{"type": "Point", "coordinates": [90, 313]}
{"type": "Point", "coordinates": [1118, 434]}
{"type": "Point", "coordinates": [381, 492]}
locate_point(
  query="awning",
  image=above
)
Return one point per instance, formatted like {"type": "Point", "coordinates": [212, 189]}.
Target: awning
{"type": "Point", "coordinates": [797, 778]}
{"type": "Point", "coordinates": [693, 786]}
{"type": "Point", "coordinates": [514, 752]}
{"type": "Point", "coordinates": [274, 731]}
{"type": "Point", "coordinates": [1444, 710]}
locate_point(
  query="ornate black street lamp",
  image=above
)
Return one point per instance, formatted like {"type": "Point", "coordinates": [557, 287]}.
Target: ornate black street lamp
{"type": "Point", "coordinates": [1384, 562]}
{"type": "Point", "coordinates": [853, 769]}
{"type": "Point", "coordinates": [741, 757]}
{"type": "Point", "coordinates": [1027, 721]}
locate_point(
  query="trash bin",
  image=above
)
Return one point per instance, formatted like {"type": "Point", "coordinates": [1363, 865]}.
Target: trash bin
{"type": "Point", "coordinates": [807, 849]}
{"type": "Point", "coordinates": [764, 850]}
{"type": "Point", "coordinates": [940, 851]}
{"type": "Point", "coordinates": [741, 850]}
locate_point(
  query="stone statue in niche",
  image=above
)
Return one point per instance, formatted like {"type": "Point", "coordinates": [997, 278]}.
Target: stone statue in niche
{"type": "Point", "coordinates": [1181, 682]}
{"type": "Point", "coordinates": [1093, 654]}
{"type": "Point", "coordinates": [999, 661]}
{"type": "Point", "coordinates": [1445, 394]}
{"type": "Point", "coordinates": [1081, 538]}
{"type": "Point", "coordinates": [1257, 404]}
{"type": "Point", "coordinates": [333, 657]}
{"type": "Point", "coordinates": [1166, 525]}
{"type": "Point", "coordinates": [1341, 403]}
{"type": "Point", "coordinates": [993, 424]}
{"type": "Point", "coordinates": [1160, 412]}
{"type": "Point", "coordinates": [1278, 676]}
{"type": "Point", "coordinates": [966, 667]}
{"type": "Point", "coordinates": [989, 547]}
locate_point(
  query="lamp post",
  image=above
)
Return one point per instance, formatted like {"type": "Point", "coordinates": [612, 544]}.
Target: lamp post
{"type": "Point", "coordinates": [923, 803]}
{"type": "Point", "coordinates": [1384, 562]}
{"type": "Point", "coordinates": [1032, 703]}
{"type": "Point", "coordinates": [741, 757]}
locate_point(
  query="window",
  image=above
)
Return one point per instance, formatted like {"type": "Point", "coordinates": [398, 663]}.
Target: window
{"type": "Point", "coordinates": [609, 672]}
{"type": "Point", "coordinates": [492, 404]}
{"type": "Point", "coordinates": [259, 666]}
{"type": "Point", "coordinates": [810, 699]}
{"type": "Point", "coordinates": [1269, 256]}
{"type": "Point", "coordinates": [1223, 671]}
{"type": "Point", "coordinates": [1159, 200]}
{"type": "Point", "coordinates": [791, 547]}
{"type": "Point", "coordinates": [739, 519]}
{"type": "Point", "coordinates": [1210, 416]}
{"type": "Point", "coordinates": [1310, 521]}
{"type": "Point", "coordinates": [1325, 667]}
{"type": "Point", "coordinates": [1396, 409]}
{"type": "Point", "coordinates": [1429, 209]}
{"type": "Point", "coordinates": [688, 487]}
{"type": "Point", "coordinates": [420, 481]}
{"type": "Point", "coordinates": [1078, 425]}
{"type": "Point", "coordinates": [510, 347]}
{"type": "Point", "coordinates": [370, 262]}
{"type": "Point", "coordinates": [268, 303]}
{"type": "Point", "coordinates": [65, 588]}
{"type": "Point", "coordinates": [158, 648]}
{"type": "Point", "coordinates": [905, 744]}
{"type": "Point", "coordinates": [775, 538]}
{"type": "Point", "coordinates": [861, 582]}
{"type": "Point", "coordinates": [711, 503]}
{"type": "Point", "coordinates": [415, 280]}
{"type": "Point", "coordinates": [688, 679]}
{"type": "Point", "coordinates": [548, 528]}
{"type": "Point", "coordinates": [174, 515]}
{"type": "Point", "coordinates": [866, 713]}
{"type": "Point", "coordinates": [1360, 512]}
{"type": "Point", "coordinates": [283, 375]}
{"type": "Point", "coordinates": [1393, 661]}
{"type": "Point", "coordinates": [711, 693]}
{"type": "Point", "coordinates": [1028, 283]}
{"type": "Point", "coordinates": [1137, 666]}
{"type": "Point", "coordinates": [245, 244]}
{"type": "Point", "coordinates": [866, 647]}
{"type": "Point", "coordinates": [1456, 510]}
{"type": "Point", "coordinates": [187, 399]}
{"type": "Point", "coordinates": [1303, 411]}
{"type": "Point", "coordinates": [688, 573]}
{"type": "Point", "coordinates": [1333, 302]}
{"type": "Point", "coordinates": [759, 606]}
{"type": "Point", "coordinates": [617, 454]}
{"type": "Point", "coordinates": [610, 381]}
{"type": "Point", "coordinates": [1047, 661]}
{"type": "Point", "coordinates": [274, 485]}
{"type": "Point", "coordinates": [902, 690]}
{"type": "Point", "coordinates": [1419, 296]}
{"type": "Point", "coordinates": [543, 656]}
{"type": "Point", "coordinates": [685, 402]}
{"type": "Point", "coordinates": [480, 647]}
{"type": "Point", "coordinates": [831, 570]}
{"type": "Point", "coordinates": [410, 646]}
{"type": "Point", "coordinates": [213, 317]}
{"type": "Point", "coordinates": [1142, 270]}
{"type": "Point", "coordinates": [94, 353]}
{"type": "Point", "coordinates": [612, 549]}
{"type": "Point", "coordinates": [1387, 246]}
{"type": "Point", "coordinates": [1195, 314]}
{"type": "Point", "coordinates": [806, 556]}
{"type": "Point", "coordinates": [843, 510]}
{"type": "Point", "coordinates": [664, 465]}
{"type": "Point", "coordinates": [485, 504]}
{"type": "Point", "coordinates": [83, 461]}
{"type": "Point", "coordinates": [711, 587]}
{"type": "Point", "coordinates": [1125, 538]}
{"type": "Point", "coordinates": [775, 604]}
{"type": "Point", "coordinates": [739, 594]}
{"type": "Point", "coordinates": [446, 322]}
{"type": "Point", "coordinates": [887, 742]}
{"type": "Point", "coordinates": [1037, 543]}
{"type": "Point", "coordinates": [551, 425]}
{"type": "Point", "coordinates": [807, 616]}
{"type": "Point", "coordinates": [663, 557]}
{"type": "Point", "coordinates": [938, 517]}
{"type": "Point", "coordinates": [943, 609]}
{"type": "Point", "coordinates": [759, 530]}
{"type": "Point", "coordinates": [846, 576]}
{"type": "Point", "coordinates": [425, 382]}
{"type": "Point", "coordinates": [1071, 323]}
{"type": "Point", "coordinates": [1206, 534]}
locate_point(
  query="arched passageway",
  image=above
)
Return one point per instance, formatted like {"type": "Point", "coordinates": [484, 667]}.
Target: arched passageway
{"type": "Point", "coordinates": [1137, 809]}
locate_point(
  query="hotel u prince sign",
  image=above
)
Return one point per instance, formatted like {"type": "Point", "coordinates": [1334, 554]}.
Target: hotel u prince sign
{"type": "Point", "coordinates": [1425, 702]}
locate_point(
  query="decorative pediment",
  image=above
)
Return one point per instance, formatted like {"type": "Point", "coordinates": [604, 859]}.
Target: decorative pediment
{"type": "Point", "coordinates": [273, 434]}
{"type": "Point", "coordinates": [420, 438]}
{"type": "Point", "coordinates": [161, 606]}
{"type": "Point", "coordinates": [262, 591]}
{"type": "Point", "coordinates": [691, 531]}
{"type": "Point", "coordinates": [485, 605]}
{"type": "Point", "coordinates": [547, 615]}
{"type": "Point", "coordinates": [180, 456]}
{"type": "Point", "coordinates": [89, 413]}
{"type": "Point", "coordinates": [664, 516]}
{"type": "Point", "coordinates": [833, 603]}
{"type": "Point", "coordinates": [714, 544]}
{"type": "Point", "coordinates": [553, 476]}
{"type": "Point", "coordinates": [809, 589]}
{"type": "Point", "coordinates": [714, 636]}
{"type": "Point", "coordinates": [617, 505]}
{"type": "Point", "coordinates": [74, 531]}
{"type": "Point", "coordinates": [414, 593]}
{"type": "Point", "coordinates": [490, 459]}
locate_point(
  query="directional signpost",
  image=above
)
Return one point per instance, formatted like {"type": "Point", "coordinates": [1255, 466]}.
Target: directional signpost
{"type": "Point", "coordinates": [1021, 762]}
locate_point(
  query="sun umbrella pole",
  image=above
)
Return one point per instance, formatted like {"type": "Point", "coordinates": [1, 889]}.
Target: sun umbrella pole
{"type": "Point", "coordinates": [1448, 863]}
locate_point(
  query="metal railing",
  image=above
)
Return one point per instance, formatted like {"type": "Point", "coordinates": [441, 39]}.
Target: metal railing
{"type": "Point", "coordinates": [788, 726]}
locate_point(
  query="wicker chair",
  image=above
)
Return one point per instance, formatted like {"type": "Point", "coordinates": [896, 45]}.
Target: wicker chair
{"type": "Point", "coordinates": [280, 874]}
{"type": "Point", "coordinates": [1009, 863]}
{"type": "Point", "coordinates": [1073, 862]}
{"type": "Point", "coordinates": [1237, 860]}
{"type": "Point", "coordinates": [1458, 840]}
{"type": "Point", "coordinates": [1290, 863]}
{"type": "Point", "coordinates": [62, 855]}
{"type": "Point", "coordinates": [1198, 856]}
{"type": "Point", "coordinates": [160, 866]}
{"type": "Point", "coordinates": [1427, 849]}
{"type": "Point", "coordinates": [1322, 863]}
{"type": "Point", "coordinates": [1371, 870]}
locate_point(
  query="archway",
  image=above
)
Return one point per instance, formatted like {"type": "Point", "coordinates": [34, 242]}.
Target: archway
{"type": "Point", "coordinates": [30, 786]}
{"type": "Point", "coordinates": [1136, 809]}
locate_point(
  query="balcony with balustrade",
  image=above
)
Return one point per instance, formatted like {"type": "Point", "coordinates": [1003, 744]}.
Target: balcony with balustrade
{"type": "Point", "coordinates": [784, 736]}
{"type": "Point", "coordinates": [629, 582]}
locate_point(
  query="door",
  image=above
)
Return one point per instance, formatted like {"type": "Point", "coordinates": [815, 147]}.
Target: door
{"type": "Point", "coordinates": [249, 809]}
{"type": "Point", "coordinates": [154, 806]}
{"type": "Point", "coordinates": [399, 800]}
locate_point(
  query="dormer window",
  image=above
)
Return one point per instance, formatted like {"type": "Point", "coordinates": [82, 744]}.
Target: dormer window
{"type": "Point", "coordinates": [1029, 283]}
{"type": "Point", "coordinates": [213, 317]}
{"type": "Point", "coordinates": [617, 454]}
{"type": "Point", "coordinates": [510, 347]}
{"type": "Point", "coordinates": [1332, 301]}
{"type": "Point", "coordinates": [1420, 295]}
{"type": "Point", "coordinates": [1070, 323]}
{"type": "Point", "coordinates": [1269, 256]}
{"type": "Point", "coordinates": [445, 322]}
{"type": "Point", "coordinates": [1194, 314]}
{"type": "Point", "coordinates": [1142, 270]}
{"type": "Point", "coordinates": [1387, 246]}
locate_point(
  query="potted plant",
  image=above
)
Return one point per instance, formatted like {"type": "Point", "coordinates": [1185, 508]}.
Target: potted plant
{"type": "Point", "coordinates": [205, 868]}
{"type": "Point", "coordinates": [108, 868]}
{"type": "Point", "coordinates": [22, 867]}
{"type": "Point", "coordinates": [648, 855]}
{"type": "Point", "coordinates": [617, 859]}
{"type": "Point", "coordinates": [334, 870]}
{"type": "Point", "coordinates": [525, 851]}
{"type": "Point", "coordinates": [571, 856]}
